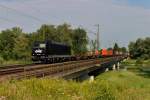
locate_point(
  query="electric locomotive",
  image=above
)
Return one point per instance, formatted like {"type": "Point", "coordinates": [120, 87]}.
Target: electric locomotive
{"type": "Point", "coordinates": [50, 51]}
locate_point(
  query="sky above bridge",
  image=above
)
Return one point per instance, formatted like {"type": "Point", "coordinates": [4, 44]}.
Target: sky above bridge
{"type": "Point", "coordinates": [120, 20]}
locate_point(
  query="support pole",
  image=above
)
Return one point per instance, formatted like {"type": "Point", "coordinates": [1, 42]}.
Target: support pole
{"type": "Point", "coordinates": [98, 39]}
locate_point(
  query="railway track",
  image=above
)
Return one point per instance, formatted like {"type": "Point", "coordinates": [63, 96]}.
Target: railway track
{"type": "Point", "coordinates": [13, 68]}
{"type": "Point", "coordinates": [42, 70]}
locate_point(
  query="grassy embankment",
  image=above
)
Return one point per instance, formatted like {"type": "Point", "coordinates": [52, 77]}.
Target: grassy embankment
{"type": "Point", "coordinates": [113, 85]}
{"type": "Point", "coordinates": [14, 62]}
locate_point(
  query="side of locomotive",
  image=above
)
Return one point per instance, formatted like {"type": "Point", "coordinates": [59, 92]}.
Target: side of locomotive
{"type": "Point", "coordinates": [49, 51]}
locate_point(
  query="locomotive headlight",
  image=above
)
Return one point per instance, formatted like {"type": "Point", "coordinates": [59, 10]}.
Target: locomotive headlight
{"type": "Point", "coordinates": [38, 51]}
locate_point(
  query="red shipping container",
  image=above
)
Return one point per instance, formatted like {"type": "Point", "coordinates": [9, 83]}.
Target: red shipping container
{"type": "Point", "coordinates": [104, 52]}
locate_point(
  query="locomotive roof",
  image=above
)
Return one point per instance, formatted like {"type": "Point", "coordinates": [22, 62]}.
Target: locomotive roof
{"type": "Point", "coordinates": [50, 41]}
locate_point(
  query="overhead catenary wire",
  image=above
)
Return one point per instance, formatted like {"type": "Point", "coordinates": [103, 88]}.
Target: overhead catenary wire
{"type": "Point", "coordinates": [7, 20]}
{"type": "Point", "coordinates": [22, 13]}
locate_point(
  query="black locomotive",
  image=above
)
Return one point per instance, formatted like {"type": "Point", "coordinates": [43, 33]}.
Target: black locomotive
{"type": "Point", "coordinates": [49, 51]}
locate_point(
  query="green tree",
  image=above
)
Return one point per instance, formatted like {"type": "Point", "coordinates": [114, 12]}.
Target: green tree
{"type": "Point", "coordinates": [116, 47]}
{"type": "Point", "coordinates": [7, 42]}
{"type": "Point", "coordinates": [123, 49]}
{"type": "Point", "coordinates": [21, 48]}
{"type": "Point", "coordinates": [140, 48]}
{"type": "Point", "coordinates": [80, 41]}
{"type": "Point", "coordinates": [46, 32]}
{"type": "Point", "coordinates": [64, 33]}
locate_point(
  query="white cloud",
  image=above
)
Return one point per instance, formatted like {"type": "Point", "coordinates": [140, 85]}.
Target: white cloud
{"type": "Point", "coordinates": [119, 22]}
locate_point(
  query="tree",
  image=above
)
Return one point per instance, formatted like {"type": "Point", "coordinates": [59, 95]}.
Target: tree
{"type": "Point", "coordinates": [116, 47]}
{"type": "Point", "coordinates": [46, 32]}
{"type": "Point", "coordinates": [64, 33]}
{"type": "Point", "coordinates": [7, 42]}
{"type": "Point", "coordinates": [123, 49]}
{"type": "Point", "coordinates": [80, 41]}
{"type": "Point", "coordinates": [140, 48]}
{"type": "Point", "coordinates": [21, 48]}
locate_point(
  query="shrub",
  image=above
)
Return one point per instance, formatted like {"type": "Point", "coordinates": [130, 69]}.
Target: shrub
{"type": "Point", "coordinates": [139, 61]}
{"type": "Point", "coordinates": [1, 60]}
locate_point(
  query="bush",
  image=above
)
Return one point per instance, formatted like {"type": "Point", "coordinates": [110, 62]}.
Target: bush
{"type": "Point", "coordinates": [2, 60]}
{"type": "Point", "coordinates": [139, 61]}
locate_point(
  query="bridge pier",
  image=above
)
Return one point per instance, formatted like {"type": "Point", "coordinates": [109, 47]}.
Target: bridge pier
{"type": "Point", "coordinates": [118, 65]}
{"type": "Point", "coordinates": [114, 67]}
{"type": "Point", "coordinates": [91, 79]}
{"type": "Point", "coordinates": [107, 69]}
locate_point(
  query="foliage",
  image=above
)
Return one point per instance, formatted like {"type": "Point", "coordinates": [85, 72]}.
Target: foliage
{"type": "Point", "coordinates": [16, 45]}
{"type": "Point", "coordinates": [139, 61]}
{"type": "Point", "coordinates": [123, 49]}
{"type": "Point", "coordinates": [46, 32]}
{"type": "Point", "coordinates": [140, 48]}
{"type": "Point", "coordinates": [1, 60]}
{"type": "Point", "coordinates": [64, 32]}
{"type": "Point", "coordinates": [79, 38]}
{"type": "Point", "coordinates": [119, 49]}
{"type": "Point", "coordinates": [116, 47]}
{"type": "Point", "coordinates": [21, 49]}
{"type": "Point", "coordinates": [7, 42]}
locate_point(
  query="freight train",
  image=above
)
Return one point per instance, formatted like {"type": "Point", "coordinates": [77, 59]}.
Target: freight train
{"type": "Point", "coordinates": [52, 52]}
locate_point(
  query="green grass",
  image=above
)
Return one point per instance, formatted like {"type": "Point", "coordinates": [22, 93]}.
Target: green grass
{"type": "Point", "coordinates": [113, 85]}
{"type": "Point", "coordinates": [128, 85]}
{"type": "Point", "coordinates": [46, 89]}
{"type": "Point", "coordinates": [13, 62]}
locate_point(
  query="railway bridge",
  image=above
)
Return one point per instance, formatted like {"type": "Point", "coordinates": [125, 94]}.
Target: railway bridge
{"type": "Point", "coordinates": [93, 68]}
{"type": "Point", "coordinates": [67, 70]}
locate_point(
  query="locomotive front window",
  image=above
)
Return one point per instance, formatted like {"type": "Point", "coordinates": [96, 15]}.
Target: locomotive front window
{"type": "Point", "coordinates": [43, 45]}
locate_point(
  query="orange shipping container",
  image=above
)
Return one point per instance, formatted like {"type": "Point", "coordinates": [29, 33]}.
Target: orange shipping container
{"type": "Point", "coordinates": [104, 52]}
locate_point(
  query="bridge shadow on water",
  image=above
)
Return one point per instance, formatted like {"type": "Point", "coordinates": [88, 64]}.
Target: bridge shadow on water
{"type": "Point", "coordinates": [94, 73]}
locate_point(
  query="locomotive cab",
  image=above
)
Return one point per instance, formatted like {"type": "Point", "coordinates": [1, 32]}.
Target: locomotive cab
{"type": "Point", "coordinates": [39, 48]}
{"type": "Point", "coordinates": [39, 51]}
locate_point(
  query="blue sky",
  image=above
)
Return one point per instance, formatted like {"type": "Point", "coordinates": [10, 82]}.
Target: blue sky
{"type": "Point", "coordinates": [142, 3]}
{"type": "Point", "coordinates": [120, 20]}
